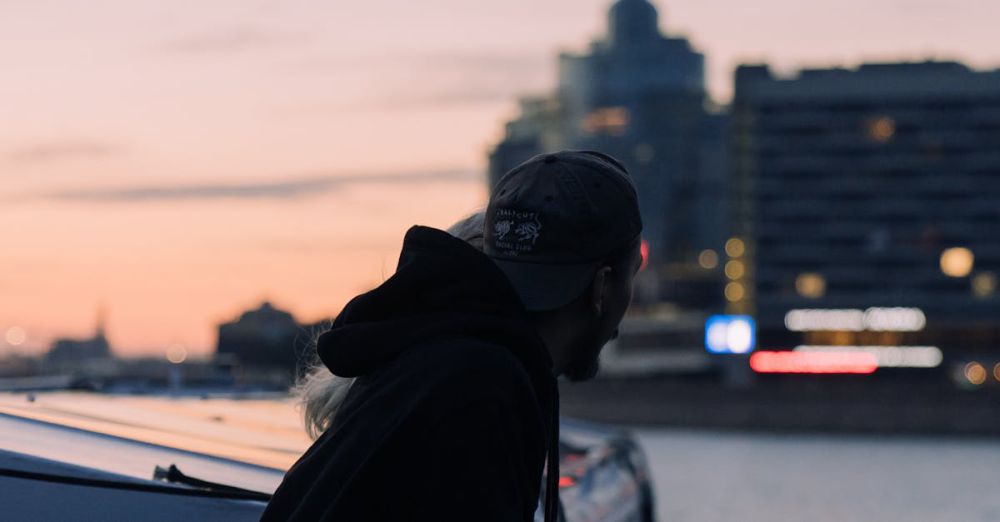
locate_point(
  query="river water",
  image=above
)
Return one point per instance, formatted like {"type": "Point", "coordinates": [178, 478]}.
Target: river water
{"type": "Point", "coordinates": [707, 476]}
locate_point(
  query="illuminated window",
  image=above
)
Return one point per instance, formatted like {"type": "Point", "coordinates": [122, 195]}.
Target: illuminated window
{"type": "Point", "coordinates": [735, 247]}
{"type": "Point", "coordinates": [644, 153]}
{"type": "Point", "coordinates": [735, 269]}
{"type": "Point", "coordinates": [609, 120]}
{"type": "Point", "coordinates": [708, 259]}
{"type": "Point", "coordinates": [957, 262]}
{"type": "Point", "coordinates": [810, 285]}
{"type": "Point", "coordinates": [984, 284]}
{"type": "Point", "coordinates": [882, 129]}
{"type": "Point", "coordinates": [735, 292]}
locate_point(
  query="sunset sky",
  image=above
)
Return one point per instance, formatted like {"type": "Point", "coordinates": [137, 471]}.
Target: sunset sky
{"type": "Point", "coordinates": [178, 162]}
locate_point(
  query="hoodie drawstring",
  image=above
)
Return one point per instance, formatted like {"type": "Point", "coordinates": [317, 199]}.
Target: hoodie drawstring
{"type": "Point", "coordinates": [552, 478]}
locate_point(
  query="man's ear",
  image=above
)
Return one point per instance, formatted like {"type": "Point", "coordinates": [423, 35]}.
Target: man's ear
{"type": "Point", "coordinates": [599, 289]}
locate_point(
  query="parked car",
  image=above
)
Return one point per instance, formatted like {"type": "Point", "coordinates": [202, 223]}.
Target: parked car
{"type": "Point", "coordinates": [603, 475]}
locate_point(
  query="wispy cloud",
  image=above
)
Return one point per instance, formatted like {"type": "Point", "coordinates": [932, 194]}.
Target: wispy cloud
{"type": "Point", "coordinates": [505, 63]}
{"type": "Point", "coordinates": [451, 78]}
{"type": "Point", "coordinates": [493, 63]}
{"type": "Point", "coordinates": [319, 245]}
{"type": "Point", "coordinates": [235, 39]}
{"type": "Point", "coordinates": [275, 190]}
{"type": "Point", "coordinates": [444, 98]}
{"type": "Point", "coordinates": [63, 150]}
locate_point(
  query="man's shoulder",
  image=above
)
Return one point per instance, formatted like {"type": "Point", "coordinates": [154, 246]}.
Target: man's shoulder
{"type": "Point", "coordinates": [469, 354]}
{"type": "Point", "coordinates": [459, 361]}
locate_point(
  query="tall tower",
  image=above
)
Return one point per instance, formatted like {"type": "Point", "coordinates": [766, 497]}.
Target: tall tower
{"type": "Point", "coordinates": [633, 22]}
{"type": "Point", "coordinates": [102, 319]}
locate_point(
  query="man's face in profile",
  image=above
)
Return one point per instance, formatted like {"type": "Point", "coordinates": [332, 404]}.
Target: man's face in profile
{"type": "Point", "coordinates": [597, 333]}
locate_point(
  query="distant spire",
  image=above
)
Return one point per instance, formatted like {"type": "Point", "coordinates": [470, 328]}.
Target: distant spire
{"type": "Point", "coordinates": [633, 21]}
{"type": "Point", "coordinates": [102, 316]}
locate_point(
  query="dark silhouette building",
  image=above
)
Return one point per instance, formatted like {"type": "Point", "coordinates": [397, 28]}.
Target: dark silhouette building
{"type": "Point", "coordinates": [72, 352]}
{"type": "Point", "coordinates": [640, 96]}
{"type": "Point", "coordinates": [265, 338]}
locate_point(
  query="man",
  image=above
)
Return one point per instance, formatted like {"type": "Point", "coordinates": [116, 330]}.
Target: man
{"type": "Point", "coordinates": [455, 405]}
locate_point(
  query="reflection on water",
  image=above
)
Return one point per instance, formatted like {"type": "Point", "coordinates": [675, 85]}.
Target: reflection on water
{"type": "Point", "coordinates": [821, 478]}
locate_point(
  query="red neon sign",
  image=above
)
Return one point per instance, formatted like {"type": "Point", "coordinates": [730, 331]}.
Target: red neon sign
{"type": "Point", "coordinates": [813, 362]}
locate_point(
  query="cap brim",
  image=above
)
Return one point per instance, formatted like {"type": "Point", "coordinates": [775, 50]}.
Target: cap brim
{"type": "Point", "coordinates": [547, 287]}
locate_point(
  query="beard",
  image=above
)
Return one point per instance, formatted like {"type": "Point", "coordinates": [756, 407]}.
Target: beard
{"type": "Point", "coordinates": [583, 369]}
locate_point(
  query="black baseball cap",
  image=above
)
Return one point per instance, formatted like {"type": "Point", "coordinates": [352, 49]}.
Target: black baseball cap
{"type": "Point", "coordinates": [553, 220]}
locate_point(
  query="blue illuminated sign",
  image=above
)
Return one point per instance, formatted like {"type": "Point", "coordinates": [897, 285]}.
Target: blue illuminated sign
{"type": "Point", "coordinates": [730, 334]}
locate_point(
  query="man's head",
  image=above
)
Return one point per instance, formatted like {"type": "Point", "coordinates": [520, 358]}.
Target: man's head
{"type": "Point", "coordinates": [565, 229]}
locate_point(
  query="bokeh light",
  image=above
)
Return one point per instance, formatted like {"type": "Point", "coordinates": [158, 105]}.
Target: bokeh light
{"type": "Point", "coordinates": [957, 262]}
{"type": "Point", "coordinates": [177, 353]}
{"type": "Point", "coordinates": [732, 334]}
{"type": "Point", "coordinates": [975, 373]}
{"type": "Point", "coordinates": [813, 362]}
{"type": "Point", "coordinates": [708, 259]}
{"type": "Point", "coordinates": [16, 336]}
{"type": "Point", "coordinates": [735, 247]}
{"type": "Point", "coordinates": [882, 129]}
{"type": "Point", "coordinates": [735, 269]}
{"type": "Point", "coordinates": [810, 285]}
{"type": "Point", "coordinates": [735, 292]}
{"type": "Point", "coordinates": [984, 284]}
{"type": "Point", "coordinates": [607, 120]}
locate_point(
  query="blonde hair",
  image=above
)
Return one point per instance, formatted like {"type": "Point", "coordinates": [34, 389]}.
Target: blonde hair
{"type": "Point", "coordinates": [319, 393]}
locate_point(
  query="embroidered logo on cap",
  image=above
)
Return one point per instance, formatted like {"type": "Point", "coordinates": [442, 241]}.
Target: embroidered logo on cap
{"type": "Point", "coordinates": [515, 231]}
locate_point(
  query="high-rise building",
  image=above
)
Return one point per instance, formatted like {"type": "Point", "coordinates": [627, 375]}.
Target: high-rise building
{"type": "Point", "coordinates": [869, 190]}
{"type": "Point", "coordinates": [640, 96]}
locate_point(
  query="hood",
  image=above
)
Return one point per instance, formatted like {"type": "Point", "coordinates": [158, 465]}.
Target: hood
{"type": "Point", "coordinates": [442, 288]}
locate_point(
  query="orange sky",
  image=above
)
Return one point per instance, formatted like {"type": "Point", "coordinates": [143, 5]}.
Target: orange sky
{"type": "Point", "coordinates": [178, 162]}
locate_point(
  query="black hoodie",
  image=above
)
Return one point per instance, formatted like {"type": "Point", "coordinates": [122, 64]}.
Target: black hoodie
{"type": "Point", "coordinates": [454, 404]}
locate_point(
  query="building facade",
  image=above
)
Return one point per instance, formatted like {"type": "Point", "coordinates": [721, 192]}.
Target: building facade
{"type": "Point", "coordinates": [876, 188]}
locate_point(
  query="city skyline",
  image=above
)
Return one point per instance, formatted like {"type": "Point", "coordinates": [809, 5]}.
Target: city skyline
{"type": "Point", "coordinates": [180, 164]}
